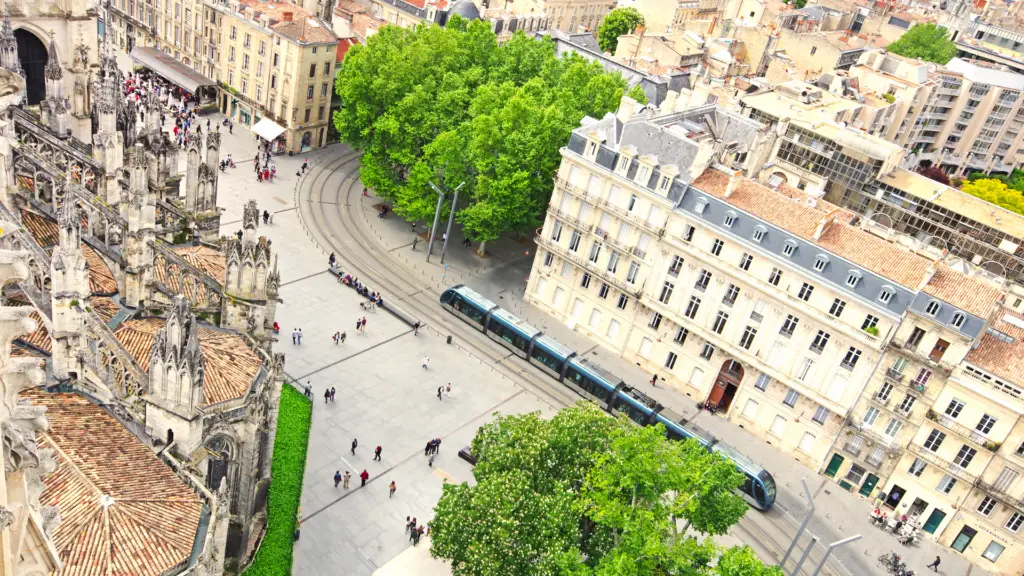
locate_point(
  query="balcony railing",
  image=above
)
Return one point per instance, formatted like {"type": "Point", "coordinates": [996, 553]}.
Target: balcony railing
{"type": "Point", "coordinates": [963, 431]}
{"type": "Point", "coordinates": [942, 464]}
{"type": "Point", "coordinates": [619, 211]}
{"type": "Point", "coordinates": [1000, 494]}
{"type": "Point", "coordinates": [587, 265]}
{"type": "Point", "coordinates": [911, 349]}
{"type": "Point", "coordinates": [562, 215]}
{"type": "Point", "coordinates": [894, 376]}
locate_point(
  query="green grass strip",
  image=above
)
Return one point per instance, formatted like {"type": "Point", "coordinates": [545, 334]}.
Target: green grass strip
{"type": "Point", "coordinates": [274, 557]}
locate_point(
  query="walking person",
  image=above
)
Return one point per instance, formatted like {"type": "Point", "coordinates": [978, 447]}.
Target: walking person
{"type": "Point", "coordinates": [376, 453]}
{"type": "Point", "coordinates": [295, 336]}
{"type": "Point", "coordinates": [332, 393]}
{"type": "Point", "coordinates": [347, 479]}
{"type": "Point", "coordinates": [342, 338]}
{"type": "Point", "coordinates": [407, 520]}
{"type": "Point", "coordinates": [300, 336]}
{"type": "Point", "coordinates": [412, 529]}
{"type": "Point", "coordinates": [391, 489]}
{"type": "Point", "coordinates": [935, 565]}
{"type": "Point", "coordinates": [355, 442]}
{"type": "Point", "coordinates": [437, 445]}
{"type": "Point", "coordinates": [431, 461]}
{"type": "Point", "coordinates": [337, 478]}
{"type": "Point", "coordinates": [654, 380]}
{"type": "Point", "coordinates": [327, 395]}
{"type": "Point", "coordinates": [415, 240]}
{"type": "Point", "coordinates": [359, 324]}
{"type": "Point", "coordinates": [426, 449]}
{"type": "Point", "coordinates": [426, 362]}
{"type": "Point", "coordinates": [440, 390]}
{"type": "Point", "coordinates": [448, 391]}
{"type": "Point", "coordinates": [364, 476]}
{"type": "Point", "coordinates": [364, 324]}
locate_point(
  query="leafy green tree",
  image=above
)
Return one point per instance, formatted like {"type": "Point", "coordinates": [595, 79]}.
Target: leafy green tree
{"type": "Point", "coordinates": [618, 22]}
{"type": "Point", "coordinates": [589, 495]}
{"type": "Point", "coordinates": [929, 42]}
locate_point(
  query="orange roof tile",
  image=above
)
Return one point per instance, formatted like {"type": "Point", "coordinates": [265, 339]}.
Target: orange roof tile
{"type": "Point", "coordinates": [47, 235]}
{"type": "Point", "coordinates": [796, 217]}
{"type": "Point", "coordinates": [1004, 359]}
{"type": "Point", "coordinates": [40, 338]}
{"type": "Point", "coordinates": [143, 527]}
{"type": "Point", "coordinates": [230, 365]}
{"type": "Point", "coordinates": [104, 306]}
{"type": "Point", "coordinates": [213, 262]}
{"type": "Point", "coordinates": [343, 46]}
{"type": "Point", "coordinates": [101, 279]}
{"type": "Point", "coordinates": [293, 21]}
{"type": "Point", "coordinates": [972, 294]}
{"type": "Point", "coordinates": [44, 230]}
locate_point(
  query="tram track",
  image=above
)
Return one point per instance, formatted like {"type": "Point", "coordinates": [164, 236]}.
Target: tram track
{"type": "Point", "coordinates": [326, 199]}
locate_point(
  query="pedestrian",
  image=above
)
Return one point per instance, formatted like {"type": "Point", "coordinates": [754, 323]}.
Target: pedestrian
{"type": "Point", "coordinates": [231, 128]}
{"type": "Point", "coordinates": [308, 391]}
{"type": "Point", "coordinates": [935, 565]}
{"type": "Point", "coordinates": [266, 216]}
{"type": "Point", "coordinates": [431, 461]}
{"type": "Point", "coordinates": [337, 478]}
{"type": "Point", "coordinates": [332, 259]}
{"type": "Point", "coordinates": [415, 240]}
{"type": "Point", "coordinates": [391, 489]}
{"type": "Point", "coordinates": [426, 361]}
{"type": "Point", "coordinates": [412, 529]}
{"type": "Point", "coordinates": [295, 336]}
{"type": "Point", "coordinates": [364, 324]}
{"type": "Point", "coordinates": [376, 453]}
{"type": "Point", "coordinates": [407, 520]}
{"type": "Point", "coordinates": [426, 449]}
{"type": "Point", "coordinates": [300, 336]}
{"type": "Point", "coordinates": [654, 380]}
{"type": "Point", "coordinates": [359, 324]}
{"type": "Point", "coordinates": [348, 478]}
{"type": "Point", "coordinates": [327, 395]}
{"type": "Point", "coordinates": [342, 337]}
{"type": "Point", "coordinates": [332, 393]}
{"type": "Point", "coordinates": [355, 443]}
{"type": "Point", "coordinates": [336, 337]}
{"type": "Point", "coordinates": [448, 390]}
{"type": "Point", "coordinates": [364, 476]}
{"type": "Point", "coordinates": [416, 329]}
{"type": "Point", "coordinates": [437, 445]}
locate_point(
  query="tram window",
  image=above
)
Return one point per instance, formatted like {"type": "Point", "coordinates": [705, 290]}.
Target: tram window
{"type": "Point", "coordinates": [469, 310]}
{"type": "Point", "coordinates": [546, 359]}
{"type": "Point", "coordinates": [586, 384]}
{"type": "Point", "coordinates": [514, 339]}
{"type": "Point", "coordinates": [758, 492]}
{"type": "Point", "coordinates": [748, 485]}
{"type": "Point", "coordinates": [633, 412]}
{"type": "Point", "coordinates": [447, 297]}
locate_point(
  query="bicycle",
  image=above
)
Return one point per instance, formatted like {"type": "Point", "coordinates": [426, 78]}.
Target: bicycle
{"type": "Point", "coordinates": [893, 563]}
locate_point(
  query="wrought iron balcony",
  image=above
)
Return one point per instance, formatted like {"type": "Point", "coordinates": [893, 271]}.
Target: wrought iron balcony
{"type": "Point", "coordinates": [942, 464]}
{"type": "Point", "coordinates": [588, 266]}
{"type": "Point", "coordinates": [562, 215]}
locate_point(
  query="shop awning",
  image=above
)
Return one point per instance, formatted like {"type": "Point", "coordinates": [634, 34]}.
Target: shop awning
{"type": "Point", "coordinates": [267, 129]}
{"type": "Point", "coordinates": [172, 70]}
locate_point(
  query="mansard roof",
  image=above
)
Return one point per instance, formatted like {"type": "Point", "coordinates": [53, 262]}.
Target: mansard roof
{"type": "Point", "coordinates": [143, 527]}
{"type": "Point", "coordinates": [231, 366]}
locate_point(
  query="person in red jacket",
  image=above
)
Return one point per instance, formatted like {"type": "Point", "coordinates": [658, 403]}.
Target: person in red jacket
{"type": "Point", "coordinates": [364, 476]}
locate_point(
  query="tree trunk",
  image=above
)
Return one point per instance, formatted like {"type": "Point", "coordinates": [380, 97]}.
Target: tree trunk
{"type": "Point", "coordinates": [482, 250]}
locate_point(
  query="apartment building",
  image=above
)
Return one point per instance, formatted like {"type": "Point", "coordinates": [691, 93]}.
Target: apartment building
{"type": "Point", "coordinates": [900, 89]}
{"type": "Point", "coordinates": [819, 152]}
{"type": "Point", "coordinates": [176, 27]}
{"type": "Point", "coordinates": [577, 15]}
{"type": "Point", "coordinates": [275, 61]}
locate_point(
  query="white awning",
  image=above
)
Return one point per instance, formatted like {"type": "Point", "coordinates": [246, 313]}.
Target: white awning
{"type": "Point", "coordinates": [267, 129]}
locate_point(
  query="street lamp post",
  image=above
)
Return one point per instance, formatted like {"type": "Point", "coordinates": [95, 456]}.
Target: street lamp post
{"type": "Point", "coordinates": [451, 217]}
{"type": "Point", "coordinates": [828, 552]}
{"type": "Point", "coordinates": [803, 525]}
{"type": "Point", "coordinates": [437, 217]}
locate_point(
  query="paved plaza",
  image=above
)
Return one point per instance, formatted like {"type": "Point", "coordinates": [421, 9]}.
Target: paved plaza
{"type": "Point", "coordinates": [384, 396]}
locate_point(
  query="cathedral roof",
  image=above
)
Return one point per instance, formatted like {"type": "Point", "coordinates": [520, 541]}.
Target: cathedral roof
{"type": "Point", "coordinates": [144, 527]}
{"type": "Point", "coordinates": [47, 235]}
{"type": "Point", "coordinates": [209, 260]}
{"type": "Point", "coordinates": [104, 306]}
{"type": "Point", "coordinates": [231, 366]}
{"type": "Point", "coordinates": [36, 341]}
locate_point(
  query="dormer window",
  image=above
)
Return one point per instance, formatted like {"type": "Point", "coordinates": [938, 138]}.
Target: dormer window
{"type": "Point", "coordinates": [643, 175]}
{"type": "Point", "coordinates": [702, 203]}
{"type": "Point", "coordinates": [759, 233]}
{"type": "Point", "coordinates": [820, 262]}
{"type": "Point", "coordinates": [885, 296]}
{"type": "Point", "coordinates": [789, 248]}
{"type": "Point", "coordinates": [663, 183]}
{"type": "Point", "coordinates": [958, 320]}
{"type": "Point", "coordinates": [730, 219]}
{"type": "Point", "coordinates": [591, 149]}
{"type": "Point", "coordinates": [932, 308]}
{"type": "Point", "coordinates": [623, 165]}
{"type": "Point", "coordinates": [853, 278]}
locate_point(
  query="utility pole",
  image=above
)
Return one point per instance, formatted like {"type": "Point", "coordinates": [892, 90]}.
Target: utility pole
{"type": "Point", "coordinates": [451, 217]}
{"type": "Point", "coordinates": [803, 525]}
{"type": "Point", "coordinates": [437, 217]}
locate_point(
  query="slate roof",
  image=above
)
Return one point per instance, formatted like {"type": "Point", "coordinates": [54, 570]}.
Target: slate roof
{"type": "Point", "coordinates": [230, 365]}
{"type": "Point", "coordinates": [110, 526]}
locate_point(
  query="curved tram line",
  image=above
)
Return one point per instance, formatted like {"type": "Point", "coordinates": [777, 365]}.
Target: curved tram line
{"type": "Point", "coordinates": [360, 258]}
{"type": "Point", "coordinates": [593, 382]}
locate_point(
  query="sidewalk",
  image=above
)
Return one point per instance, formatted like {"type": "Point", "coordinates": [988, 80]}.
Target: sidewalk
{"type": "Point", "coordinates": [502, 277]}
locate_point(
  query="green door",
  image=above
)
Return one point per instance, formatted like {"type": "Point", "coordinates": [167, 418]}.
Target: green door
{"type": "Point", "coordinates": [934, 520]}
{"type": "Point", "coordinates": [869, 485]}
{"type": "Point", "coordinates": [834, 465]}
{"type": "Point", "coordinates": [963, 539]}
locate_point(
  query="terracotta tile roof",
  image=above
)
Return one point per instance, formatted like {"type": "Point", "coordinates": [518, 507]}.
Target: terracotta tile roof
{"type": "Point", "coordinates": [343, 46]}
{"type": "Point", "coordinates": [972, 294]}
{"type": "Point", "coordinates": [143, 527]}
{"type": "Point", "coordinates": [39, 339]}
{"type": "Point", "coordinates": [1004, 359]}
{"type": "Point", "coordinates": [209, 260]}
{"type": "Point", "coordinates": [43, 229]}
{"type": "Point", "coordinates": [101, 279]}
{"type": "Point", "coordinates": [230, 365]}
{"type": "Point", "coordinates": [104, 306]}
{"type": "Point", "coordinates": [873, 253]}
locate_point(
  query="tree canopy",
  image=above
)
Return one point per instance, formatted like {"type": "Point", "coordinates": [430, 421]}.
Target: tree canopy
{"type": "Point", "coordinates": [997, 192]}
{"type": "Point", "coordinates": [584, 494]}
{"type": "Point", "coordinates": [618, 22]}
{"type": "Point", "coordinates": [449, 105]}
{"type": "Point", "coordinates": [935, 173]}
{"type": "Point", "coordinates": [929, 42]}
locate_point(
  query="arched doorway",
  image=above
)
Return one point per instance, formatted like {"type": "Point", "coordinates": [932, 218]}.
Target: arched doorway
{"type": "Point", "coordinates": [33, 56]}
{"type": "Point", "coordinates": [726, 384]}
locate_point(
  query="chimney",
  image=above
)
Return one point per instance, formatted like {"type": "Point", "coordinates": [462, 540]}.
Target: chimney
{"type": "Point", "coordinates": [286, 16]}
{"type": "Point", "coordinates": [824, 223]}
{"type": "Point", "coordinates": [669, 105]}
{"type": "Point", "coordinates": [627, 107]}
{"type": "Point", "coordinates": [734, 180]}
